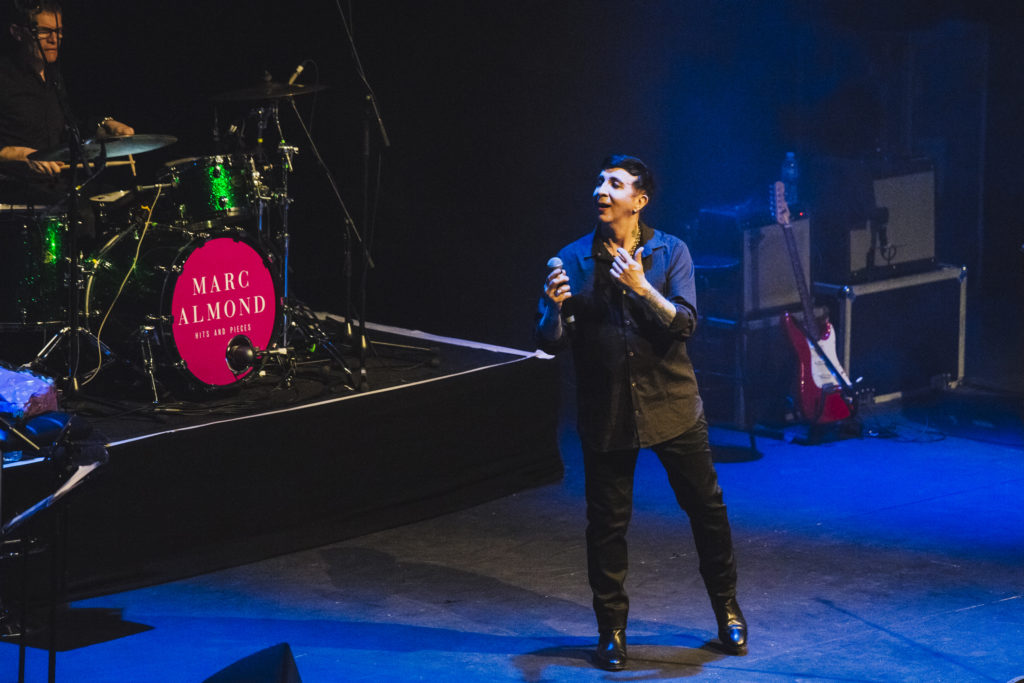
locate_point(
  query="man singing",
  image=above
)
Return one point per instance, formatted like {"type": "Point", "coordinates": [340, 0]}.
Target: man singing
{"type": "Point", "coordinates": [622, 298]}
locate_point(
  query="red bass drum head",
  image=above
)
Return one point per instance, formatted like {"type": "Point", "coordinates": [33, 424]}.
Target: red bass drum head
{"type": "Point", "coordinates": [224, 290]}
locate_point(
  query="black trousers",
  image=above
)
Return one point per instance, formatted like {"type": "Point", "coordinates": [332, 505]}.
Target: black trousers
{"type": "Point", "coordinates": [609, 491]}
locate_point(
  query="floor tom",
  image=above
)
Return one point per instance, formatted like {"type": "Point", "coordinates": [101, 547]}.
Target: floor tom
{"type": "Point", "coordinates": [33, 266]}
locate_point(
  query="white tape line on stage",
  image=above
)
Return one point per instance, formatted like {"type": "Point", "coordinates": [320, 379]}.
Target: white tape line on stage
{"type": "Point", "coordinates": [451, 341]}
{"type": "Point", "coordinates": [523, 355]}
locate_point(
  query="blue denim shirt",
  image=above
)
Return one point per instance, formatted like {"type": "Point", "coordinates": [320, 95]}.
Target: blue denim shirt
{"type": "Point", "coordinates": [634, 381]}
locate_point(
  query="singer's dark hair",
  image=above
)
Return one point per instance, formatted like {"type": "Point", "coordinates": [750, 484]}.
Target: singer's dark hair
{"type": "Point", "coordinates": [644, 177]}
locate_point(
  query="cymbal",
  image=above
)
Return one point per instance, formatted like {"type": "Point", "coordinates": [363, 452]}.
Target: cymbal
{"type": "Point", "coordinates": [110, 197]}
{"type": "Point", "coordinates": [116, 146]}
{"type": "Point", "coordinates": [268, 90]}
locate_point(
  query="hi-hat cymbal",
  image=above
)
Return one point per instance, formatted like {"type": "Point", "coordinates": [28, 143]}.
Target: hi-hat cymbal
{"type": "Point", "coordinates": [118, 146]}
{"type": "Point", "coordinates": [268, 90]}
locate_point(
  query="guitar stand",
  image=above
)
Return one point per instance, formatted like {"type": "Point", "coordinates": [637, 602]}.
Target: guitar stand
{"type": "Point", "coordinates": [817, 434]}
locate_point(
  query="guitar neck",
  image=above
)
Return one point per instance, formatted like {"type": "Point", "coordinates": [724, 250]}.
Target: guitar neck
{"type": "Point", "coordinates": [810, 324]}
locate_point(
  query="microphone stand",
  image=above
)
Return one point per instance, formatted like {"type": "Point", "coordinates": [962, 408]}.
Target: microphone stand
{"type": "Point", "coordinates": [371, 112]}
{"type": "Point", "coordinates": [74, 217]}
{"type": "Point", "coordinates": [370, 109]}
{"type": "Point", "coordinates": [350, 227]}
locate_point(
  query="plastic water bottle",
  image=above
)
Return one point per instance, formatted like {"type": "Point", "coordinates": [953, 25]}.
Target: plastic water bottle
{"type": "Point", "coordinates": [790, 176]}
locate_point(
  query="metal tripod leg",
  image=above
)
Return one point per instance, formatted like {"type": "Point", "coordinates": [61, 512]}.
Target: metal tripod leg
{"type": "Point", "coordinates": [73, 336]}
{"type": "Point", "coordinates": [146, 349]}
{"type": "Point", "coordinates": [306, 324]}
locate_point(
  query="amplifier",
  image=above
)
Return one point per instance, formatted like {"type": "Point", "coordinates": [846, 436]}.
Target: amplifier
{"type": "Point", "coordinates": [896, 239]}
{"type": "Point", "coordinates": [742, 265]}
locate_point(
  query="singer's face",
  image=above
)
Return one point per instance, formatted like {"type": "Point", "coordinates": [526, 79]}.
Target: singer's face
{"type": "Point", "coordinates": [616, 195]}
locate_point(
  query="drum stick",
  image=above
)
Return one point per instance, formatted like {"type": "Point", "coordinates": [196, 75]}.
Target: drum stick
{"type": "Point", "coordinates": [64, 166]}
{"type": "Point", "coordinates": [131, 160]}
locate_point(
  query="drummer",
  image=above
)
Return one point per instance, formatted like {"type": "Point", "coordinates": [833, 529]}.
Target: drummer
{"type": "Point", "coordinates": [32, 116]}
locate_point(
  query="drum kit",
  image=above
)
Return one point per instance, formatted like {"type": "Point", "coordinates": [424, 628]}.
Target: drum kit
{"type": "Point", "coordinates": [189, 286]}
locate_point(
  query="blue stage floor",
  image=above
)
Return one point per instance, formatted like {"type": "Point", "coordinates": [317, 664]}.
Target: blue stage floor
{"type": "Point", "coordinates": [878, 559]}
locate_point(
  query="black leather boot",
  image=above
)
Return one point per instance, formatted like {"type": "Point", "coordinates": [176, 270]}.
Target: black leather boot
{"type": "Point", "coordinates": [732, 627]}
{"type": "Point", "coordinates": [611, 650]}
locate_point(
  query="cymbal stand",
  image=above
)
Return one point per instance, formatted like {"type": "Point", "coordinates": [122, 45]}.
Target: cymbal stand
{"type": "Point", "coordinates": [74, 331]}
{"type": "Point", "coordinates": [261, 196]}
{"type": "Point", "coordinates": [292, 316]}
{"type": "Point", "coordinates": [265, 196]}
{"type": "Point", "coordinates": [286, 153]}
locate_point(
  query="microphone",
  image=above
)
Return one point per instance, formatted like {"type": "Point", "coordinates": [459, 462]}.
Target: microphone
{"type": "Point", "coordinates": [568, 315]}
{"type": "Point", "coordinates": [299, 69]}
{"type": "Point", "coordinates": [241, 354]}
{"type": "Point", "coordinates": [156, 186]}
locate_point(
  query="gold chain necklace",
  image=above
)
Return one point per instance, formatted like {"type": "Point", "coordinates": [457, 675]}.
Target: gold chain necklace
{"type": "Point", "coordinates": [634, 244]}
{"type": "Point", "coordinates": [636, 241]}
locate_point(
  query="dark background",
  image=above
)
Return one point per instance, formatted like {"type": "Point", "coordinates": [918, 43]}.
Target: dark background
{"type": "Point", "coordinates": [499, 114]}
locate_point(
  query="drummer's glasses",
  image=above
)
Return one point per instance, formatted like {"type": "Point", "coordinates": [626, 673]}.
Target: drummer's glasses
{"type": "Point", "coordinates": [44, 33]}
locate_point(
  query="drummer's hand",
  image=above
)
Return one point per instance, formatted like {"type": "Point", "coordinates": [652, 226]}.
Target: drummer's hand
{"type": "Point", "coordinates": [45, 168]}
{"type": "Point", "coordinates": [112, 127]}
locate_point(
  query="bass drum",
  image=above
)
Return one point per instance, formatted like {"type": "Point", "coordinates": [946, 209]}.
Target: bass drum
{"type": "Point", "coordinates": [188, 297]}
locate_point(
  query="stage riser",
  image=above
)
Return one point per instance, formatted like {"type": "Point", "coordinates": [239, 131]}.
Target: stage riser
{"type": "Point", "coordinates": [193, 501]}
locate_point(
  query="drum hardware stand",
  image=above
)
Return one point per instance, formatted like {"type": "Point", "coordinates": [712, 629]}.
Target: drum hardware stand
{"type": "Point", "coordinates": [285, 359]}
{"type": "Point", "coordinates": [265, 118]}
{"type": "Point", "coordinates": [69, 332]}
{"type": "Point", "coordinates": [261, 199]}
{"type": "Point", "coordinates": [287, 152]}
{"type": "Point", "coordinates": [242, 354]}
{"type": "Point", "coordinates": [146, 333]}
{"type": "Point", "coordinates": [309, 327]}
{"type": "Point", "coordinates": [73, 331]}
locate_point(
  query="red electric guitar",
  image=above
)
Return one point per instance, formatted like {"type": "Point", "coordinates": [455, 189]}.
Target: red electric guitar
{"type": "Point", "coordinates": [821, 383]}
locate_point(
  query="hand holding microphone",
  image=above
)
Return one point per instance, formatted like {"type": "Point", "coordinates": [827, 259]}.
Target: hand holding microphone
{"type": "Point", "coordinates": [559, 291]}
